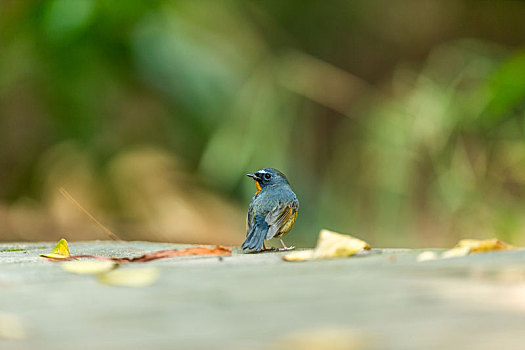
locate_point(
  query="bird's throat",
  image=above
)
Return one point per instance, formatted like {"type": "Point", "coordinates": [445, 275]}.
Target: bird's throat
{"type": "Point", "coordinates": [258, 187]}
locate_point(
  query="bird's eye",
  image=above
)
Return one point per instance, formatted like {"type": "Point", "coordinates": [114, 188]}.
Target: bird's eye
{"type": "Point", "coordinates": [267, 176]}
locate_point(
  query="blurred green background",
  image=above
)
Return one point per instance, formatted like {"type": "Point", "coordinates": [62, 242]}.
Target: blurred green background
{"type": "Point", "coordinates": [401, 122]}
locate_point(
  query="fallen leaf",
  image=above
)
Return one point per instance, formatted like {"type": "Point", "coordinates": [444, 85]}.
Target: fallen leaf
{"type": "Point", "coordinates": [170, 253]}
{"type": "Point", "coordinates": [137, 277]}
{"type": "Point", "coordinates": [466, 247]}
{"type": "Point", "coordinates": [487, 245]}
{"type": "Point", "coordinates": [11, 326]}
{"type": "Point", "coordinates": [300, 255]}
{"type": "Point", "coordinates": [336, 245]}
{"type": "Point", "coordinates": [87, 267]}
{"type": "Point", "coordinates": [61, 251]}
{"type": "Point", "coordinates": [161, 254]}
{"type": "Point", "coordinates": [426, 256]}
{"type": "Point", "coordinates": [456, 252]}
{"type": "Point", "coordinates": [330, 245]}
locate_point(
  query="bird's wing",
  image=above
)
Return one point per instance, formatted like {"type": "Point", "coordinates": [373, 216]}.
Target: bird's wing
{"type": "Point", "coordinates": [279, 216]}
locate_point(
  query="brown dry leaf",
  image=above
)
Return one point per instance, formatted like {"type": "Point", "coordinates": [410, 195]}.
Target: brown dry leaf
{"type": "Point", "coordinates": [170, 253]}
{"type": "Point", "coordinates": [162, 254]}
{"type": "Point", "coordinates": [330, 245]}
{"type": "Point", "coordinates": [137, 277]}
{"type": "Point", "coordinates": [61, 251]}
{"type": "Point", "coordinates": [486, 245]}
{"type": "Point", "coordinates": [89, 267]}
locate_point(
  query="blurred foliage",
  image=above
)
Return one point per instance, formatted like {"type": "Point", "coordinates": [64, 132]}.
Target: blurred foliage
{"type": "Point", "coordinates": [399, 121]}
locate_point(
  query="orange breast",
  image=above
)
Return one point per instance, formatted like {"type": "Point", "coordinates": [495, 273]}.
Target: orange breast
{"type": "Point", "coordinates": [258, 187]}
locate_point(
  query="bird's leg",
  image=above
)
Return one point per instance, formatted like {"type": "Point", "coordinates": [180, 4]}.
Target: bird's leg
{"type": "Point", "coordinates": [284, 248]}
{"type": "Point", "coordinates": [266, 249]}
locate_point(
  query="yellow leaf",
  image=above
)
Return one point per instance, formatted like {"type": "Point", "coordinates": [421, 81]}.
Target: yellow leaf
{"type": "Point", "coordinates": [138, 277]}
{"type": "Point", "coordinates": [487, 245]}
{"type": "Point", "coordinates": [89, 266]}
{"type": "Point", "coordinates": [426, 256]}
{"type": "Point", "coordinates": [300, 255]}
{"type": "Point", "coordinates": [330, 245]}
{"type": "Point", "coordinates": [335, 245]}
{"type": "Point", "coordinates": [61, 251]}
{"type": "Point", "coordinates": [456, 252]}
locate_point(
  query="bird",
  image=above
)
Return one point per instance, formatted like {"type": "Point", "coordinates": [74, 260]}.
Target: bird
{"type": "Point", "coordinates": [272, 211]}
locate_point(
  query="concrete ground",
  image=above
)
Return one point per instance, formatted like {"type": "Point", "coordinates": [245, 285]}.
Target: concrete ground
{"type": "Point", "coordinates": [385, 300]}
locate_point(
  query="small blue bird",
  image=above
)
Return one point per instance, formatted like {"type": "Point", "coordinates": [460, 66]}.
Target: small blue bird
{"type": "Point", "coordinates": [272, 211]}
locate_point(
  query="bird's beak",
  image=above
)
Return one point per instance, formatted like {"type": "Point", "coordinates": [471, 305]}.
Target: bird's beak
{"type": "Point", "coordinates": [253, 176]}
{"type": "Point", "coordinates": [257, 182]}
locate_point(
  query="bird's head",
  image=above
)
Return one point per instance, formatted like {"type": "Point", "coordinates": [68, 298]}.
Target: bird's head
{"type": "Point", "coordinates": [268, 177]}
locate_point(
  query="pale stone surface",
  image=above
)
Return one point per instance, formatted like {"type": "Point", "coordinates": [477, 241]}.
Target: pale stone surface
{"type": "Point", "coordinates": [386, 299]}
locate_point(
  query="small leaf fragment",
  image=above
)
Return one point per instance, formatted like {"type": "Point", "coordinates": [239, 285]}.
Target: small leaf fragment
{"type": "Point", "coordinates": [137, 277]}
{"type": "Point", "coordinates": [335, 245]}
{"type": "Point", "coordinates": [89, 267]}
{"type": "Point", "coordinates": [487, 245]}
{"type": "Point", "coordinates": [427, 256]}
{"type": "Point", "coordinates": [456, 252]}
{"type": "Point", "coordinates": [60, 251]}
{"type": "Point", "coordinates": [300, 255]}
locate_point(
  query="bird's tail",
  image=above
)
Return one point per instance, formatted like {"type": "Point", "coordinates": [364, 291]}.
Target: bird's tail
{"type": "Point", "coordinates": [255, 237]}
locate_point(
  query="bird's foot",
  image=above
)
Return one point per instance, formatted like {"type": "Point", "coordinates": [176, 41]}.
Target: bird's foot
{"type": "Point", "coordinates": [284, 249]}
{"type": "Point", "coordinates": [269, 249]}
